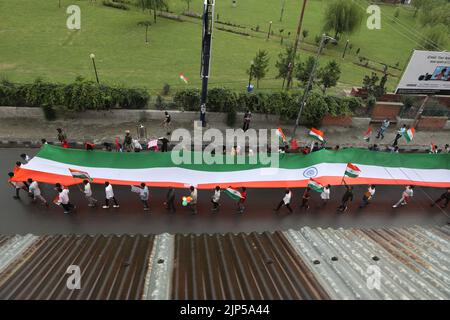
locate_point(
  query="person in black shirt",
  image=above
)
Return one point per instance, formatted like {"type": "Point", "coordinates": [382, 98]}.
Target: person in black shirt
{"type": "Point", "coordinates": [247, 117]}
{"type": "Point", "coordinates": [165, 143]}
{"type": "Point", "coordinates": [305, 199]}
{"type": "Point", "coordinates": [348, 196]}
{"type": "Point", "coordinates": [444, 197]}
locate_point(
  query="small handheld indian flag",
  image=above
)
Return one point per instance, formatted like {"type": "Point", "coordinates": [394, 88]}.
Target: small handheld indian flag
{"type": "Point", "coordinates": [182, 77]}
{"type": "Point", "coordinates": [352, 171]}
{"type": "Point", "coordinates": [368, 134]}
{"type": "Point", "coordinates": [233, 194]}
{"type": "Point", "coordinates": [316, 134]}
{"type": "Point", "coordinates": [314, 185]}
{"type": "Point", "coordinates": [409, 134]}
{"type": "Point", "coordinates": [80, 174]}
{"type": "Point", "coordinates": [281, 135]}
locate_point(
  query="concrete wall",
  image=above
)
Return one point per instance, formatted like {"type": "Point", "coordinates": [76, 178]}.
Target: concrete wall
{"type": "Point", "coordinates": [431, 123]}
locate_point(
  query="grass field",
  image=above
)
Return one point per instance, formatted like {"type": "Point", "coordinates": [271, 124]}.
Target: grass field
{"type": "Point", "coordinates": [35, 42]}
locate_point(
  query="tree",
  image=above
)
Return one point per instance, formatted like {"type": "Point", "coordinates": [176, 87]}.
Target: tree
{"type": "Point", "coordinates": [145, 24]}
{"type": "Point", "coordinates": [188, 2]}
{"type": "Point", "coordinates": [329, 75]}
{"type": "Point", "coordinates": [305, 33]}
{"type": "Point", "coordinates": [435, 37]}
{"type": "Point", "coordinates": [154, 5]}
{"type": "Point", "coordinates": [284, 59]}
{"type": "Point", "coordinates": [421, 4]}
{"type": "Point", "coordinates": [431, 16]}
{"type": "Point", "coordinates": [260, 66]}
{"type": "Point", "coordinates": [343, 16]}
{"type": "Point", "coordinates": [304, 69]}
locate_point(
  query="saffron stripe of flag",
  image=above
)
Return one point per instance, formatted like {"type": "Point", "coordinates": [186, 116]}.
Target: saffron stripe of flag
{"type": "Point", "coordinates": [233, 194]}
{"type": "Point", "coordinates": [316, 134]}
{"type": "Point", "coordinates": [280, 133]}
{"type": "Point", "coordinates": [409, 134]}
{"type": "Point", "coordinates": [352, 171]}
{"type": "Point", "coordinates": [80, 174]}
{"type": "Point", "coordinates": [368, 133]}
{"type": "Point", "coordinates": [314, 185]}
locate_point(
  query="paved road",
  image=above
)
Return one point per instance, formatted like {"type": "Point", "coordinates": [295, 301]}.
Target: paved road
{"type": "Point", "coordinates": [21, 216]}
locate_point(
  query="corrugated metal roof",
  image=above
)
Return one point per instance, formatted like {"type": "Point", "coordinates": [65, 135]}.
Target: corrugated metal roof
{"type": "Point", "coordinates": [413, 263]}
{"type": "Point", "coordinates": [112, 267]}
{"type": "Point", "coordinates": [242, 266]}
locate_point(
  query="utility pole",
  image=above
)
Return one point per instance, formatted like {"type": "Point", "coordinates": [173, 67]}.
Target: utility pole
{"type": "Point", "coordinates": [297, 38]}
{"type": "Point", "coordinates": [420, 111]}
{"type": "Point", "coordinates": [310, 81]}
{"type": "Point", "coordinates": [282, 10]}
{"type": "Point", "coordinates": [208, 18]}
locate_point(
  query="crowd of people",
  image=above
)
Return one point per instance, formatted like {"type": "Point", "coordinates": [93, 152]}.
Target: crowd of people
{"type": "Point", "coordinates": [129, 144]}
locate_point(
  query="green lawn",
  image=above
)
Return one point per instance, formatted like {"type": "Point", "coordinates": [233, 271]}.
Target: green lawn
{"type": "Point", "coordinates": [36, 43]}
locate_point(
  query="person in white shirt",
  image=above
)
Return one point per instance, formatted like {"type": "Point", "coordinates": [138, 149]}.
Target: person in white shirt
{"type": "Point", "coordinates": [92, 202]}
{"type": "Point", "coordinates": [35, 191]}
{"type": "Point", "coordinates": [406, 196]}
{"type": "Point", "coordinates": [368, 195]}
{"type": "Point", "coordinates": [325, 195]}
{"type": "Point", "coordinates": [110, 196]}
{"type": "Point", "coordinates": [137, 146]}
{"type": "Point", "coordinates": [286, 201]}
{"type": "Point", "coordinates": [144, 195]}
{"type": "Point", "coordinates": [64, 200]}
{"type": "Point", "coordinates": [17, 185]}
{"type": "Point", "coordinates": [215, 199]}
{"type": "Point", "coordinates": [193, 203]}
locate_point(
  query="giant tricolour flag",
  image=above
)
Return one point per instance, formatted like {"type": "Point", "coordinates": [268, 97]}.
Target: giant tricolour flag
{"type": "Point", "coordinates": [52, 163]}
{"type": "Point", "coordinates": [316, 134]}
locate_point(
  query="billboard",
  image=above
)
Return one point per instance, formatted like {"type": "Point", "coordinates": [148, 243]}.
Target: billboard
{"type": "Point", "coordinates": [428, 72]}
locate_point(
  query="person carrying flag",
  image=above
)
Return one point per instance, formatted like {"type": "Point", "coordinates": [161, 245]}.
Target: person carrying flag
{"type": "Point", "coordinates": [286, 201]}
{"type": "Point", "coordinates": [35, 191]}
{"type": "Point", "coordinates": [64, 201]}
{"type": "Point", "coordinates": [348, 196]}
{"type": "Point", "coordinates": [444, 197]}
{"type": "Point", "coordinates": [193, 202]}
{"type": "Point", "coordinates": [88, 194]}
{"type": "Point", "coordinates": [241, 201]}
{"type": "Point", "coordinates": [325, 195]}
{"type": "Point", "coordinates": [305, 198]}
{"type": "Point", "coordinates": [215, 199]}
{"type": "Point", "coordinates": [144, 195]}
{"type": "Point", "coordinates": [17, 185]}
{"type": "Point", "coordinates": [400, 133]}
{"type": "Point", "coordinates": [109, 192]}
{"type": "Point", "coordinates": [368, 195]}
{"type": "Point", "coordinates": [406, 195]}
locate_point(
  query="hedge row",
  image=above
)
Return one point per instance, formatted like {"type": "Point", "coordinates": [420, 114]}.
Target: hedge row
{"type": "Point", "coordinates": [77, 96]}
{"type": "Point", "coordinates": [280, 103]}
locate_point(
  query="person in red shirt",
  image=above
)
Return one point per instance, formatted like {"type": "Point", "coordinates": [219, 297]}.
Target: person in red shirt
{"type": "Point", "coordinates": [241, 206]}
{"type": "Point", "coordinates": [305, 198]}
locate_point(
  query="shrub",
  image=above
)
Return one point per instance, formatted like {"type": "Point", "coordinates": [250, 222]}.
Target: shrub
{"type": "Point", "coordinates": [188, 99]}
{"type": "Point", "coordinates": [159, 103]}
{"type": "Point", "coordinates": [231, 116]}
{"type": "Point", "coordinates": [117, 5]}
{"type": "Point", "coordinates": [354, 103]}
{"type": "Point", "coordinates": [166, 89]}
{"type": "Point", "coordinates": [221, 100]}
{"type": "Point", "coordinates": [314, 110]}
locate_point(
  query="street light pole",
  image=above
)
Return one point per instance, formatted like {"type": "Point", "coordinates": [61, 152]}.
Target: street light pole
{"type": "Point", "coordinates": [310, 81]}
{"type": "Point", "coordinates": [282, 10]}
{"type": "Point", "coordinates": [297, 39]}
{"type": "Point", "coordinates": [208, 18]}
{"type": "Point", "coordinates": [250, 76]}
{"type": "Point", "coordinates": [92, 56]}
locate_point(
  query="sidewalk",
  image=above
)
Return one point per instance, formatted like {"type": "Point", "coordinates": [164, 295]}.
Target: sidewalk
{"type": "Point", "coordinates": [31, 131]}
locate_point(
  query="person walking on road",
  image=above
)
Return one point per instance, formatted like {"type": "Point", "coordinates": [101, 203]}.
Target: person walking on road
{"type": "Point", "coordinates": [88, 194]}
{"type": "Point", "coordinates": [193, 203]}
{"type": "Point", "coordinates": [444, 197]}
{"type": "Point", "coordinates": [167, 122]}
{"type": "Point", "coordinates": [64, 201]}
{"type": "Point", "coordinates": [25, 158]}
{"type": "Point", "coordinates": [170, 200]}
{"type": "Point", "coordinates": [286, 201]}
{"type": "Point", "coordinates": [384, 125]}
{"type": "Point", "coordinates": [215, 199]}
{"type": "Point", "coordinates": [35, 191]}
{"type": "Point", "coordinates": [400, 133]}
{"type": "Point", "coordinates": [128, 142]}
{"type": "Point", "coordinates": [17, 185]}
{"type": "Point", "coordinates": [241, 202]}
{"type": "Point", "coordinates": [144, 195]}
{"type": "Point", "coordinates": [247, 118]}
{"type": "Point", "coordinates": [305, 198]}
{"type": "Point", "coordinates": [325, 195]}
{"type": "Point", "coordinates": [348, 196]}
{"type": "Point", "coordinates": [109, 192]}
{"type": "Point", "coordinates": [406, 196]}
{"type": "Point", "coordinates": [62, 137]}
{"type": "Point", "coordinates": [368, 195]}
